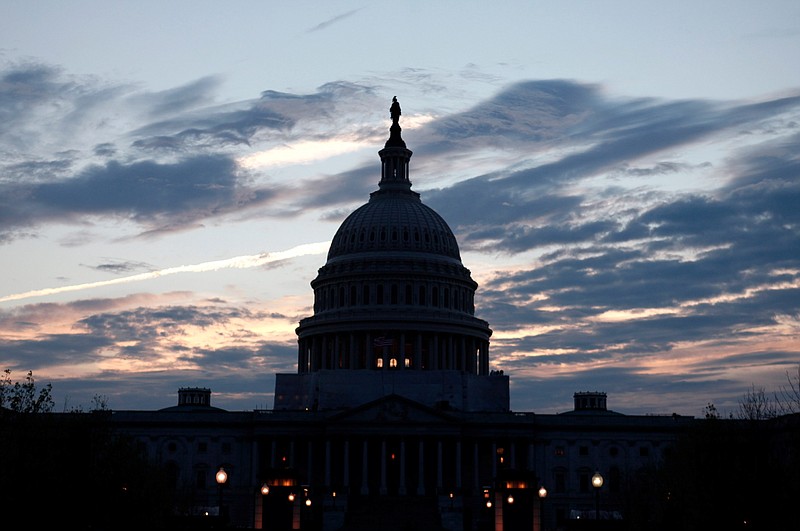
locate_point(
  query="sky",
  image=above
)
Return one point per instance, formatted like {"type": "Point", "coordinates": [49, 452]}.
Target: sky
{"type": "Point", "coordinates": [623, 179]}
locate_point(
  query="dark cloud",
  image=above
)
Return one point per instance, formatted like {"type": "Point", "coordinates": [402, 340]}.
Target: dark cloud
{"type": "Point", "coordinates": [334, 20]}
{"type": "Point", "coordinates": [174, 168]}
{"type": "Point", "coordinates": [149, 193]}
{"type": "Point", "coordinates": [118, 267]}
{"type": "Point", "coordinates": [198, 93]}
{"type": "Point", "coordinates": [54, 350]}
{"type": "Point", "coordinates": [274, 113]}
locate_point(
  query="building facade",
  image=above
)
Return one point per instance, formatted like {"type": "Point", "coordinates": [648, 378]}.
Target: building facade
{"type": "Point", "coordinates": [394, 419]}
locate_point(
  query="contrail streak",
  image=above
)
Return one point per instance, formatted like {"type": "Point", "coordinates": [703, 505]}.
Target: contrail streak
{"type": "Point", "coordinates": [237, 262]}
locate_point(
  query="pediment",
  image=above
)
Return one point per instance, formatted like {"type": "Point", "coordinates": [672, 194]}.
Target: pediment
{"type": "Point", "coordinates": [393, 408]}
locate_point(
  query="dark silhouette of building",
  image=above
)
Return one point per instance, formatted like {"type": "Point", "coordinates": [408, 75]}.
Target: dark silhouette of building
{"type": "Point", "coordinates": [395, 419]}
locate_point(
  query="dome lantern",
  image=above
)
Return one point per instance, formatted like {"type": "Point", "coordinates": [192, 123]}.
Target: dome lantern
{"type": "Point", "coordinates": [395, 156]}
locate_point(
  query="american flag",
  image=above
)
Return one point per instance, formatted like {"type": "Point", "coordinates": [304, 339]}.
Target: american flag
{"type": "Point", "coordinates": [383, 341]}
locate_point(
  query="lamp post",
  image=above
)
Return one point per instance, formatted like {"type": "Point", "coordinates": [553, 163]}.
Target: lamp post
{"type": "Point", "coordinates": [542, 496]}
{"type": "Point", "coordinates": [597, 483]}
{"type": "Point", "coordinates": [222, 478]}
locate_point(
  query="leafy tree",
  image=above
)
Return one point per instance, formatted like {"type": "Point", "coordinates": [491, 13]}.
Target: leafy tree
{"type": "Point", "coordinates": [71, 469]}
{"type": "Point", "coordinates": [21, 397]}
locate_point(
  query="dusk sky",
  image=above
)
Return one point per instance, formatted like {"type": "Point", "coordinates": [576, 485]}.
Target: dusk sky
{"type": "Point", "coordinates": [623, 178]}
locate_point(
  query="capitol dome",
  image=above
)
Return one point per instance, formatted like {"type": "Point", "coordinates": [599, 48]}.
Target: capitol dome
{"type": "Point", "coordinates": [392, 298]}
{"type": "Point", "coordinates": [394, 221]}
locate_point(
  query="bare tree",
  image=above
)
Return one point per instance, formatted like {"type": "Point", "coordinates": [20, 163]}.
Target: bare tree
{"type": "Point", "coordinates": [788, 397]}
{"type": "Point", "coordinates": [756, 405]}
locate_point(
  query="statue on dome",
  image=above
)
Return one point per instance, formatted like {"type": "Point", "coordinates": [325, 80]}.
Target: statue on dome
{"type": "Point", "coordinates": [394, 110]}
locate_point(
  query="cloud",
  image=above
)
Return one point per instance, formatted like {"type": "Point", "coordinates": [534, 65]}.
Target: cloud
{"type": "Point", "coordinates": [237, 262]}
{"type": "Point", "coordinates": [77, 147]}
{"type": "Point", "coordinates": [610, 231]}
{"type": "Point", "coordinates": [326, 24]}
{"type": "Point", "coordinates": [111, 344]}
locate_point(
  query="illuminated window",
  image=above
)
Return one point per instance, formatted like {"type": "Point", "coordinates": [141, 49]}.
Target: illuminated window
{"type": "Point", "coordinates": [392, 363]}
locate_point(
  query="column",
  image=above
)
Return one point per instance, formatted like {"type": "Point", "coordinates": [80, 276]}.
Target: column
{"type": "Point", "coordinates": [402, 487]}
{"type": "Point", "coordinates": [513, 457]}
{"type": "Point", "coordinates": [451, 352]}
{"type": "Point", "coordinates": [351, 352]}
{"type": "Point", "coordinates": [531, 462]}
{"type": "Point", "coordinates": [301, 356]}
{"type": "Point", "coordinates": [458, 464]}
{"type": "Point", "coordinates": [365, 468]}
{"type": "Point", "coordinates": [310, 462]}
{"type": "Point", "coordinates": [439, 465]}
{"type": "Point", "coordinates": [346, 470]}
{"type": "Point", "coordinates": [476, 479]}
{"type": "Point", "coordinates": [327, 463]}
{"type": "Point", "coordinates": [383, 489]}
{"type": "Point", "coordinates": [401, 357]}
{"type": "Point", "coordinates": [421, 482]}
{"type": "Point", "coordinates": [494, 460]}
{"type": "Point", "coordinates": [418, 352]}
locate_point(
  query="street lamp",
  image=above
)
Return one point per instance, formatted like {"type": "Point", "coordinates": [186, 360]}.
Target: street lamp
{"type": "Point", "coordinates": [542, 496]}
{"type": "Point", "coordinates": [222, 478]}
{"type": "Point", "coordinates": [597, 483]}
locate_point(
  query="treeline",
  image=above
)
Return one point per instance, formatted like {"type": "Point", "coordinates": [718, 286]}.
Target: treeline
{"type": "Point", "coordinates": [70, 470]}
{"type": "Point", "coordinates": [723, 474]}
{"type": "Point", "coordinates": [739, 472]}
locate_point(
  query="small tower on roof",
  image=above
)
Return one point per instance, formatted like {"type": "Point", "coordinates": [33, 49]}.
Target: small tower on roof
{"type": "Point", "coordinates": [394, 155]}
